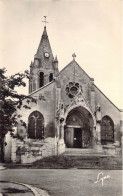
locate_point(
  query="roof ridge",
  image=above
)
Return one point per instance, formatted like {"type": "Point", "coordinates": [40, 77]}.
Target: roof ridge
{"type": "Point", "coordinates": [77, 64]}
{"type": "Point", "coordinates": [107, 98]}
{"type": "Point", "coordinates": [42, 87]}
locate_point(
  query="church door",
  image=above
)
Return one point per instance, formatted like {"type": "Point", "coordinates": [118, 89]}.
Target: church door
{"type": "Point", "coordinates": [79, 126]}
{"type": "Point", "coordinates": [77, 138]}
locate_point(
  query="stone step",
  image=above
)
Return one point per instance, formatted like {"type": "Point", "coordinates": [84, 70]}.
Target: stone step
{"type": "Point", "coordinates": [79, 151]}
{"type": "Point", "coordinates": [83, 152]}
{"type": "Point", "coordinates": [78, 159]}
{"type": "Point", "coordinates": [61, 162]}
{"type": "Point", "coordinates": [80, 162]}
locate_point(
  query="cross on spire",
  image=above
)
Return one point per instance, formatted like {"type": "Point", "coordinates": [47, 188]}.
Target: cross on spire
{"type": "Point", "coordinates": [74, 56]}
{"type": "Point", "coordinates": [45, 18]}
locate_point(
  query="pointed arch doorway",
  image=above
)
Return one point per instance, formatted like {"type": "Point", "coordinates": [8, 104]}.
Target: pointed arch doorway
{"type": "Point", "coordinates": [79, 128]}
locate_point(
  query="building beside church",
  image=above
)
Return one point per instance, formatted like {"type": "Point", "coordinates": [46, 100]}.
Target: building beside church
{"type": "Point", "coordinates": [71, 112]}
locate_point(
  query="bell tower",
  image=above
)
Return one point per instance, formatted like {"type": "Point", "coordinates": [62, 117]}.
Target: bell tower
{"type": "Point", "coordinates": [44, 67]}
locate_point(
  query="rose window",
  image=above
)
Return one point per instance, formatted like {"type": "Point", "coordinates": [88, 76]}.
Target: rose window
{"type": "Point", "coordinates": [72, 89]}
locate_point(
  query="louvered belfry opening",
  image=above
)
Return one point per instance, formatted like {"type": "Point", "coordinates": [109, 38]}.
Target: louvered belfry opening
{"type": "Point", "coordinates": [50, 77]}
{"type": "Point", "coordinates": [41, 79]}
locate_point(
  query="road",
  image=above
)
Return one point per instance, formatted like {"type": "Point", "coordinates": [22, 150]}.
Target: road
{"type": "Point", "coordinates": [69, 182]}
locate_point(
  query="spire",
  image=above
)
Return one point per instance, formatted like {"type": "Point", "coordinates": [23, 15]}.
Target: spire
{"type": "Point", "coordinates": [44, 68]}
{"type": "Point", "coordinates": [44, 46]}
{"type": "Point", "coordinates": [45, 33]}
{"type": "Point", "coordinates": [56, 59]}
{"type": "Point", "coordinates": [31, 64]}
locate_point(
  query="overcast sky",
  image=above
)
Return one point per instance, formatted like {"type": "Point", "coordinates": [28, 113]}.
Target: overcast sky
{"type": "Point", "coordinates": [90, 28]}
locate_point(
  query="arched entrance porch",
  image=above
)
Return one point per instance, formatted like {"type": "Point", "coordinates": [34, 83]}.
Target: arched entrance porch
{"type": "Point", "coordinates": [78, 132]}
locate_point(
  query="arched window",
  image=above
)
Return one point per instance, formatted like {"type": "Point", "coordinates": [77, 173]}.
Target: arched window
{"type": "Point", "coordinates": [41, 79]}
{"type": "Point", "coordinates": [36, 125]}
{"type": "Point", "coordinates": [50, 77]}
{"type": "Point", "coordinates": [107, 130]}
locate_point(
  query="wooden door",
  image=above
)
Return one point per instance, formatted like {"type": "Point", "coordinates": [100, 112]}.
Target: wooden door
{"type": "Point", "coordinates": [69, 137]}
{"type": "Point", "coordinates": [77, 138]}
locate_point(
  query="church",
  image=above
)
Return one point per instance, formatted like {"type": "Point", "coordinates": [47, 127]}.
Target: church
{"type": "Point", "coordinates": [71, 112]}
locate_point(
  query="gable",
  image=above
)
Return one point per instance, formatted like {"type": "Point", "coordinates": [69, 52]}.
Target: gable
{"type": "Point", "coordinates": [107, 107]}
{"type": "Point", "coordinates": [74, 69]}
{"type": "Point", "coordinates": [74, 73]}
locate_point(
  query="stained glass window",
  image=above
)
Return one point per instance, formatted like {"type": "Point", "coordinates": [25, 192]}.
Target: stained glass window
{"type": "Point", "coordinates": [36, 125]}
{"type": "Point", "coordinates": [72, 89]}
{"type": "Point", "coordinates": [107, 130]}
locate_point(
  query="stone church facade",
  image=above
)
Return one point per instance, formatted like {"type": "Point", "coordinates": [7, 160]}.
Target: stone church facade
{"type": "Point", "coordinates": [71, 112]}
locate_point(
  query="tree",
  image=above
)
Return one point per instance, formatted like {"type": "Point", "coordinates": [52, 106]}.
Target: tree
{"type": "Point", "coordinates": [10, 103]}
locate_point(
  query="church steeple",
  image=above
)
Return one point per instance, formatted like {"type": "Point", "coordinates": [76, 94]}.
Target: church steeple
{"type": "Point", "coordinates": [44, 68]}
{"type": "Point", "coordinates": [44, 50]}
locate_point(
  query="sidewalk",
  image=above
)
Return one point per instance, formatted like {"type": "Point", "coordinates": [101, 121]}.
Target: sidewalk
{"type": "Point", "coordinates": [13, 189]}
{"type": "Point", "coordinates": [2, 167]}
{"type": "Point", "coordinates": [10, 188]}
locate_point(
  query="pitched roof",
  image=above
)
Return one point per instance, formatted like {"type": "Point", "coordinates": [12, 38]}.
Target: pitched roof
{"type": "Point", "coordinates": [107, 98]}
{"type": "Point", "coordinates": [44, 46]}
{"type": "Point", "coordinates": [71, 63]}
{"type": "Point", "coordinates": [42, 87]}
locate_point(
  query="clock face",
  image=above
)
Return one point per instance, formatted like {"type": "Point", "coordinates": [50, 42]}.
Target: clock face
{"type": "Point", "coordinates": [46, 54]}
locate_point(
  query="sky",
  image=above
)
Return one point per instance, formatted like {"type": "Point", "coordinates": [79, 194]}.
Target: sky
{"type": "Point", "coordinates": [89, 28]}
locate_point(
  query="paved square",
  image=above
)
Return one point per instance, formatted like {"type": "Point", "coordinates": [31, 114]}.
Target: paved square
{"type": "Point", "coordinates": [68, 182]}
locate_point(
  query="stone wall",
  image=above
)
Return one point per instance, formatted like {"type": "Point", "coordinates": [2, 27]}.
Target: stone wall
{"type": "Point", "coordinates": [74, 73]}
{"type": "Point", "coordinates": [109, 109]}
{"type": "Point", "coordinates": [35, 149]}
{"type": "Point", "coordinates": [45, 105]}
{"type": "Point", "coordinates": [8, 148]}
